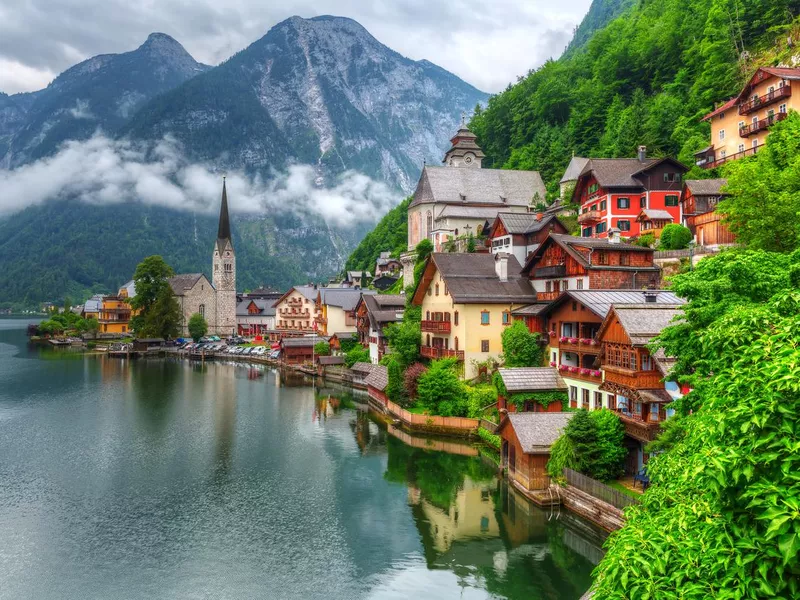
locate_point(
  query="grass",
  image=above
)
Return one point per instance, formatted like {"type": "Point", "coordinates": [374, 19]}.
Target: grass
{"type": "Point", "coordinates": [625, 490]}
{"type": "Point", "coordinates": [417, 410]}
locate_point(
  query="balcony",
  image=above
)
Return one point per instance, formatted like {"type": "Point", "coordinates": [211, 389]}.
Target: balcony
{"type": "Point", "coordinates": [573, 344]}
{"type": "Point", "coordinates": [635, 380]}
{"type": "Point", "coordinates": [761, 125]}
{"type": "Point", "coordinates": [765, 100]}
{"type": "Point", "coordinates": [590, 375]}
{"type": "Point", "coordinates": [711, 163]}
{"type": "Point", "coordinates": [435, 326]}
{"type": "Point", "coordinates": [436, 353]}
{"type": "Point", "coordinates": [638, 429]}
{"type": "Point", "coordinates": [590, 216]}
{"type": "Point", "coordinates": [547, 296]}
{"type": "Point", "coordinates": [552, 271]}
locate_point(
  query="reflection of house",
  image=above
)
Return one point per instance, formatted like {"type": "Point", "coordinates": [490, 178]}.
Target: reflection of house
{"type": "Point", "coordinates": [255, 316]}
{"type": "Point", "coordinates": [740, 126]}
{"type": "Point", "coordinates": [296, 310]}
{"type": "Point", "coordinates": [373, 314]}
{"type": "Point", "coordinates": [699, 199]}
{"type": "Point", "coordinates": [572, 322]}
{"type": "Point", "coordinates": [526, 441]}
{"type": "Point", "coordinates": [466, 302]}
{"type": "Point", "coordinates": [521, 233]}
{"type": "Point", "coordinates": [462, 198]}
{"type": "Point", "coordinates": [530, 381]}
{"type": "Point", "coordinates": [336, 308]}
{"type": "Point", "coordinates": [633, 374]}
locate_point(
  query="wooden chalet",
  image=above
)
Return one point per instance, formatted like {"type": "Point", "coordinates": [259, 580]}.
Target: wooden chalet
{"type": "Point", "coordinates": [337, 339]}
{"type": "Point", "coordinates": [527, 438]}
{"type": "Point", "coordinates": [529, 381]}
{"type": "Point", "coordinates": [565, 262]}
{"type": "Point", "coordinates": [653, 221]}
{"type": "Point", "coordinates": [634, 375]}
{"type": "Point", "coordinates": [299, 350]}
{"type": "Point", "coordinates": [521, 233]}
{"type": "Point", "coordinates": [373, 313]}
{"type": "Point", "coordinates": [377, 380]}
{"type": "Point", "coordinates": [699, 200]}
{"type": "Point", "coordinates": [358, 374]}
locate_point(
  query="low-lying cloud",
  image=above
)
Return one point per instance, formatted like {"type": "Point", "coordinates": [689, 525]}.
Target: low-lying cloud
{"type": "Point", "coordinates": [102, 171]}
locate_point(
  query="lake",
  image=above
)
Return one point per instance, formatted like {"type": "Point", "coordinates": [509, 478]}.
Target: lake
{"type": "Point", "coordinates": [168, 479]}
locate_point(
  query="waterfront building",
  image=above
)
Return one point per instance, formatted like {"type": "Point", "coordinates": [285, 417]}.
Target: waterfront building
{"type": "Point", "coordinates": [91, 308]}
{"type": "Point", "coordinates": [699, 200]}
{"type": "Point", "coordinates": [115, 311]}
{"type": "Point", "coordinates": [612, 192]}
{"type": "Point", "coordinates": [521, 234]}
{"type": "Point", "coordinates": [296, 311]}
{"type": "Point", "coordinates": [373, 314]}
{"type": "Point", "coordinates": [299, 350]}
{"type": "Point", "coordinates": [377, 380]}
{"type": "Point", "coordinates": [530, 381]}
{"type": "Point", "coordinates": [527, 438]}
{"type": "Point", "coordinates": [467, 301]}
{"type": "Point", "coordinates": [336, 308]}
{"type": "Point", "coordinates": [255, 316]}
{"type": "Point", "coordinates": [740, 126]}
{"type": "Point", "coordinates": [339, 337]}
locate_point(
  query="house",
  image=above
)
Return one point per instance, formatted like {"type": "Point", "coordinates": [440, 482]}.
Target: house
{"type": "Point", "coordinates": [527, 438]}
{"type": "Point", "coordinates": [572, 322]}
{"type": "Point", "coordinates": [740, 126]}
{"type": "Point", "coordinates": [466, 302]}
{"type": "Point", "coordinates": [530, 381]}
{"type": "Point", "coordinates": [296, 311]}
{"type": "Point", "coordinates": [356, 279]}
{"type": "Point", "coordinates": [373, 313]}
{"type": "Point", "coordinates": [359, 372]}
{"type": "Point", "coordinates": [570, 178]}
{"type": "Point", "coordinates": [339, 337]}
{"type": "Point", "coordinates": [384, 282]}
{"type": "Point", "coordinates": [260, 293]}
{"type": "Point", "coordinates": [463, 199]}
{"type": "Point", "coordinates": [521, 233]}
{"type": "Point", "coordinates": [634, 375]}
{"type": "Point", "coordinates": [91, 308]}
{"type": "Point", "coordinates": [612, 192]}
{"type": "Point", "coordinates": [653, 221]}
{"type": "Point", "coordinates": [148, 344]}
{"type": "Point", "coordinates": [377, 380]}
{"type": "Point", "coordinates": [336, 308]}
{"type": "Point", "coordinates": [565, 262]}
{"type": "Point", "coordinates": [699, 201]}
{"type": "Point", "coordinates": [115, 312]}
{"type": "Point", "coordinates": [299, 350]}
{"type": "Point", "coordinates": [255, 316]}
{"type": "Point", "coordinates": [386, 265]}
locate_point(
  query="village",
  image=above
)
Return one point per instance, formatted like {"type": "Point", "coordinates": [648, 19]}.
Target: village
{"type": "Point", "coordinates": [486, 256]}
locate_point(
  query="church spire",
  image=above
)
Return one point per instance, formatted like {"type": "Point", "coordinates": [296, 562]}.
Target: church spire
{"type": "Point", "coordinates": [224, 231]}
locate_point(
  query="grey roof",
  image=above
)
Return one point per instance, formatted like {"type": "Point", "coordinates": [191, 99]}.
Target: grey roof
{"type": "Point", "coordinates": [600, 301]}
{"type": "Point", "coordinates": [617, 172]}
{"type": "Point", "coordinates": [524, 223]}
{"type": "Point", "coordinates": [344, 298]}
{"type": "Point", "coordinates": [384, 308]}
{"type": "Point", "coordinates": [357, 274]}
{"type": "Point", "coordinates": [307, 291]}
{"type": "Point", "coordinates": [642, 322]}
{"type": "Point", "coordinates": [574, 169]}
{"type": "Point", "coordinates": [345, 335]}
{"type": "Point", "coordinates": [378, 377]}
{"type": "Point", "coordinates": [389, 300]}
{"type": "Point", "coordinates": [706, 187]}
{"type": "Point", "coordinates": [264, 305]}
{"type": "Point", "coordinates": [466, 211]}
{"type": "Point", "coordinates": [530, 309]}
{"type": "Point", "coordinates": [93, 304]}
{"type": "Point", "coordinates": [331, 360]}
{"type": "Point", "coordinates": [472, 278]}
{"type": "Point", "coordinates": [363, 367]}
{"type": "Point", "coordinates": [573, 245]}
{"type": "Point", "coordinates": [302, 342]}
{"type": "Point", "coordinates": [538, 431]}
{"type": "Point", "coordinates": [532, 379]}
{"type": "Point", "coordinates": [130, 287]}
{"type": "Point", "coordinates": [385, 258]}
{"type": "Point", "coordinates": [656, 214]}
{"type": "Point", "coordinates": [453, 185]}
{"type": "Point", "coordinates": [180, 284]}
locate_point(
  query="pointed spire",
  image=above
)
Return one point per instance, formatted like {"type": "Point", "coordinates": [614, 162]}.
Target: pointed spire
{"type": "Point", "coordinates": [224, 231]}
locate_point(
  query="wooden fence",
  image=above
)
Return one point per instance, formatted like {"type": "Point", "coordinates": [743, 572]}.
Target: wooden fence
{"type": "Point", "coordinates": [432, 421]}
{"type": "Point", "coordinates": [696, 251]}
{"type": "Point", "coordinates": [599, 490]}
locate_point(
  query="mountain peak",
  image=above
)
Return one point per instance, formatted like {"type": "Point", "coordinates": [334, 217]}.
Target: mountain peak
{"type": "Point", "coordinates": [162, 43]}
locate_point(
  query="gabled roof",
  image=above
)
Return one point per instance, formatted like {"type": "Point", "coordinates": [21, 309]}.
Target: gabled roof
{"type": "Point", "coordinates": [654, 214]}
{"type": "Point", "coordinates": [378, 377]}
{"type": "Point", "coordinates": [452, 185]}
{"type": "Point", "coordinates": [574, 168]}
{"type": "Point", "coordinates": [472, 278]}
{"type": "Point", "coordinates": [706, 187]}
{"type": "Point", "coordinates": [302, 342]}
{"type": "Point", "coordinates": [363, 367]}
{"type": "Point", "coordinates": [456, 211]}
{"type": "Point", "coordinates": [643, 321]}
{"type": "Point", "coordinates": [532, 379]}
{"type": "Point", "coordinates": [384, 308]}
{"type": "Point", "coordinates": [524, 223]}
{"type": "Point", "coordinates": [756, 78]}
{"type": "Point", "coordinates": [574, 246]}
{"type": "Point", "coordinates": [530, 309]}
{"type": "Point", "coordinates": [722, 108]}
{"type": "Point", "coordinates": [600, 301]}
{"type": "Point", "coordinates": [181, 284]}
{"type": "Point", "coordinates": [331, 360]}
{"type": "Point", "coordinates": [309, 292]}
{"type": "Point", "coordinates": [537, 431]}
{"type": "Point", "coordinates": [344, 298]}
{"type": "Point", "coordinates": [622, 172]}
{"type": "Point", "coordinates": [264, 306]}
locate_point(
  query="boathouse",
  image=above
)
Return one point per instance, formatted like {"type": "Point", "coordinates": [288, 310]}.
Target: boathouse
{"type": "Point", "coordinates": [299, 350]}
{"type": "Point", "coordinates": [528, 382]}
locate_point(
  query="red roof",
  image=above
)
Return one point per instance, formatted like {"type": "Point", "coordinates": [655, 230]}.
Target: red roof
{"type": "Point", "coordinates": [782, 72]}
{"type": "Point", "coordinates": [729, 104]}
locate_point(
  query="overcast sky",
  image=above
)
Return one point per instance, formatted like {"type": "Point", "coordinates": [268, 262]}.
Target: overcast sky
{"type": "Point", "coordinates": [486, 43]}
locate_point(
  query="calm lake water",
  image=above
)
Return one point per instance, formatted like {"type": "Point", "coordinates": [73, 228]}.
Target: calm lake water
{"type": "Point", "coordinates": [164, 479]}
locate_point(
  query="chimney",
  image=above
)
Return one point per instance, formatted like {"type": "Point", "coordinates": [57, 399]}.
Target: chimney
{"type": "Point", "coordinates": [642, 153]}
{"type": "Point", "coordinates": [650, 296]}
{"type": "Point", "coordinates": [539, 216]}
{"type": "Point", "coordinates": [613, 236]}
{"type": "Point", "coordinates": [501, 266]}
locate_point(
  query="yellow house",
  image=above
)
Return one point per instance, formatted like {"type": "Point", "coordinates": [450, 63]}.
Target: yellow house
{"type": "Point", "coordinates": [336, 308]}
{"type": "Point", "coordinates": [115, 312]}
{"type": "Point", "coordinates": [740, 126]}
{"type": "Point", "coordinates": [466, 301]}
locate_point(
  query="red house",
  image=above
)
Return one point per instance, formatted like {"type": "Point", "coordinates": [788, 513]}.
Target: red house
{"type": "Point", "coordinates": [613, 191]}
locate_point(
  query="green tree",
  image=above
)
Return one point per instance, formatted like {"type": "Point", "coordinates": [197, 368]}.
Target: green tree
{"type": "Point", "coordinates": [404, 339]}
{"type": "Point", "coordinates": [471, 244]}
{"type": "Point", "coordinates": [611, 450]}
{"type": "Point", "coordinates": [440, 391]}
{"type": "Point", "coordinates": [322, 349]}
{"type": "Point", "coordinates": [395, 389]}
{"type": "Point", "coordinates": [163, 319]}
{"type": "Point", "coordinates": [67, 304]}
{"type": "Point", "coordinates": [150, 278]}
{"type": "Point", "coordinates": [675, 237]}
{"type": "Point", "coordinates": [582, 433]}
{"type": "Point", "coordinates": [356, 354]}
{"type": "Point", "coordinates": [197, 326]}
{"type": "Point", "coordinates": [521, 347]}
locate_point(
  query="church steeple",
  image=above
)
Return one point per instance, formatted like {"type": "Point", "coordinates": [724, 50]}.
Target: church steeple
{"type": "Point", "coordinates": [224, 229]}
{"type": "Point", "coordinates": [464, 150]}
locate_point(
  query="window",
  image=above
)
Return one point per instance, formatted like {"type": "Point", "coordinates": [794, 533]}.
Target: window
{"type": "Point", "coordinates": [782, 108]}
{"type": "Point", "coordinates": [555, 357]}
{"type": "Point", "coordinates": [587, 232]}
{"type": "Point", "coordinates": [455, 318]}
{"type": "Point", "coordinates": [564, 284]}
{"type": "Point", "coordinates": [671, 200]}
{"type": "Point", "coordinates": [429, 292]}
{"type": "Point", "coordinates": [598, 400]}
{"type": "Point", "coordinates": [579, 284]}
{"type": "Point", "coordinates": [484, 345]}
{"type": "Point", "coordinates": [603, 204]}
{"type": "Point", "coordinates": [755, 145]}
{"type": "Point", "coordinates": [485, 318]}
{"type": "Point", "coordinates": [612, 402]}
{"type": "Point", "coordinates": [624, 259]}
{"type": "Point", "coordinates": [647, 363]}
{"type": "Point", "coordinates": [770, 114]}
{"type": "Point", "coordinates": [632, 356]}
{"type": "Point", "coordinates": [654, 412]}
{"type": "Point", "coordinates": [437, 289]}
{"type": "Point", "coordinates": [428, 224]}
{"type": "Point", "coordinates": [202, 310]}
{"type": "Point", "coordinates": [721, 134]}
{"type": "Point", "coordinates": [672, 177]}
{"type": "Point", "coordinates": [624, 225]}
{"type": "Point", "coordinates": [548, 287]}
{"type": "Point", "coordinates": [741, 147]}
{"type": "Point", "coordinates": [506, 318]}
{"type": "Point", "coordinates": [602, 258]}
{"type": "Point", "coordinates": [741, 124]}
{"type": "Point", "coordinates": [771, 90]}
{"type": "Point", "coordinates": [585, 398]}
{"type": "Point", "coordinates": [722, 153]}
{"type": "Point", "coordinates": [623, 202]}
{"type": "Point", "coordinates": [573, 396]}
{"type": "Point", "coordinates": [228, 267]}
{"type": "Point", "coordinates": [600, 228]}
{"type": "Point", "coordinates": [721, 116]}
{"type": "Point", "coordinates": [643, 202]}
{"type": "Point", "coordinates": [427, 315]}
{"type": "Point", "coordinates": [593, 188]}
{"type": "Point", "coordinates": [216, 267]}
{"type": "Point", "coordinates": [446, 292]}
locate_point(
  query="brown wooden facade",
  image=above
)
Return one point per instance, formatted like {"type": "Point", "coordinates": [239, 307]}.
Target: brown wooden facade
{"type": "Point", "coordinates": [705, 223]}
{"type": "Point", "coordinates": [572, 330]}
{"type": "Point", "coordinates": [528, 470]}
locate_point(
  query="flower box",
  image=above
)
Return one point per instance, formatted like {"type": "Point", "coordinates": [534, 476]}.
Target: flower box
{"type": "Point", "coordinates": [563, 367]}
{"type": "Point", "coordinates": [563, 339]}
{"type": "Point", "coordinates": [593, 342]}
{"type": "Point", "coordinates": [586, 341]}
{"type": "Point", "coordinates": [551, 333]}
{"type": "Point", "coordinates": [574, 369]}
{"type": "Point", "coordinates": [552, 363]}
{"type": "Point", "coordinates": [597, 373]}
{"type": "Point", "coordinates": [585, 371]}
{"type": "Point", "coordinates": [573, 340]}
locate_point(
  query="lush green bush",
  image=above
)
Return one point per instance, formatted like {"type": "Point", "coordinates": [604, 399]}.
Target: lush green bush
{"type": "Point", "coordinates": [322, 349]}
{"type": "Point", "coordinates": [411, 379]}
{"type": "Point", "coordinates": [490, 438]}
{"type": "Point", "coordinates": [592, 444]}
{"type": "Point", "coordinates": [395, 390]}
{"type": "Point", "coordinates": [478, 397]}
{"type": "Point", "coordinates": [646, 240]}
{"type": "Point", "coordinates": [611, 450]}
{"type": "Point", "coordinates": [440, 391]}
{"type": "Point", "coordinates": [404, 339]}
{"type": "Point", "coordinates": [356, 354]}
{"type": "Point", "coordinates": [521, 347]}
{"type": "Point", "coordinates": [674, 237]}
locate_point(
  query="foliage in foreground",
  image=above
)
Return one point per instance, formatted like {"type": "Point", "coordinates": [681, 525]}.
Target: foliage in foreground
{"type": "Point", "coordinates": [490, 438]}
{"type": "Point", "coordinates": [521, 347]}
{"type": "Point", "coordinates": [591, 444]}
{"type": "Point", "coordinates": [674, 237]}
{"type": "Point", "coordinates": [356, 354]}
{"type": "Point", "coordinates": [440, 391]}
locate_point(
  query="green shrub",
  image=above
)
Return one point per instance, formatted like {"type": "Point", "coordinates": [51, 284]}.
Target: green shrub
{"type": "Point", "coordinates": [322, 349]}
{"type": "Point", "coordinates": [611, 451]}
{"type": "Point", "coordinates": [357, 354]}
{"type": "Point", "coordinates": [675, 237]}
{"type": "Point", "coordinates": [478, 397]}
{"type": "Point", "coordinates": [490, 438]}
{"type": "Point", "coordinates": [440, 391]}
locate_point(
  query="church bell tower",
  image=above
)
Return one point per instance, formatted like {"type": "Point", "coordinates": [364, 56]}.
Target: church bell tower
{"type": "Point", "coordinates": [224, 271]}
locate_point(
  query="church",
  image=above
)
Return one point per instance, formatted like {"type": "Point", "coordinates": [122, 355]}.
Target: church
{"type": "Point", "coordinates": [215, 299]}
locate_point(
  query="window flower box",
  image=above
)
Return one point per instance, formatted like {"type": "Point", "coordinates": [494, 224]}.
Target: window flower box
{"type": "Point", "coordinates": [563, 368]}
{"type": "Point", "coordinates": [563, 339]}
{"type": "Point", "coordinates": [597, 373]}
{"type": "Point", "coordinates": [551, 333]}
{"type": "Point", "coordinates": [552, 363]}
{"type": "Point", "coordinates": [574, 370]}
{"type": "Point", "coordinates": [585, 371]}
{"type": "Point", "coordinates": [586, 341]}
{"type": "Point", "coordinates": [573, 340]}
{"type": "Point", "coordinates": [593, 342]}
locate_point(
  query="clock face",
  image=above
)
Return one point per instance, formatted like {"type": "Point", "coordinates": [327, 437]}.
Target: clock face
{"type": "Point", "coordinates": [468, 159]}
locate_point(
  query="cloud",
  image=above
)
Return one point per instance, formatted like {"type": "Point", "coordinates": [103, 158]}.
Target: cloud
{"type": "Point", "coordinates": [101, 171]}
{"type": "Point", "coordinates": [488, 44]}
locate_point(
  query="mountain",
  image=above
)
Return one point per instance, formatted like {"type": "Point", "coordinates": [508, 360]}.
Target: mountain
{"type": "Point", "coordinates": [601, 13]}
{"type": "Point", "coordinates": [102, 92]}
{"type": "Point", "coordinates": [319, 91]}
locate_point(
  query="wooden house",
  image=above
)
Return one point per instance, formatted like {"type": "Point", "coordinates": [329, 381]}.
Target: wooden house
{"type": "Point", "coordinates": [653, 221]}
{"type": "Point", "coordinates": [373, 314]}
{"type": "Point", "coordinates": [358, 374]}
{"type": "Point", "coordinates": [299, 350]}
{"type": "Point", "coordinates": [148, 344]}
{"type": "Point", "coordinates": [377, 380]}
{"type": "Point", "coordinates": [530, 381]}
{"type": "Point", "coordinates": [387, 265]}
{"type": "Point", "coordinates": [527, 438]}
{"type": "Point", "coordinates": [699, 200]}
{"type": "Point", "coordinates": [521, 233]}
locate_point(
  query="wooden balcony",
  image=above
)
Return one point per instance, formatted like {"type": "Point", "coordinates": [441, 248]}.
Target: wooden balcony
{"type": "Point", "coordinates": [437, 353]}
{"type": "Point", "coordinates": [435, 326]}
{"type": "Point", "coordinates": [761, 125]}
{"type": "Point", "coordinates": [711, 163]}
{"type": "Point", "coordinates": [571, 344]}
{"type": "Point", "coordinates": [582, 376]}
{"type": "Point", "coordinates": [636, 380]}
{"type": "Point", "coordinates": [547, 295]}
{"type": "Point", "coordinates": [590, 216]}
{"type": "Point", "coordinates": [552, 271]}
{"type": "Point", "coordinates": [638, 429]}
{"type": "Point", "coordinates": [769, 98]}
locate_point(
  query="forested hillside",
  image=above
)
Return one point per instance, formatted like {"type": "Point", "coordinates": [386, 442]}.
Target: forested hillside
{"type": "Point", "coordinates": [600, 14]}
{"type": "Point", "coordinates": [646, 78]}
{"type": "Point", "coordinates": [390, 234]}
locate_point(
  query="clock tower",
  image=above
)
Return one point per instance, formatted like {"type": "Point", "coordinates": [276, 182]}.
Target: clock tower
{"type": "Point", "coordinates": [224, 271]}
{"type": "Point", "coordinates": [464, 150]}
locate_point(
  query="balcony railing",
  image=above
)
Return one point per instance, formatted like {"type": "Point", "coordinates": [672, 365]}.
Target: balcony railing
{"type": "Point", "coordinates": [590, 375]}
{"type": "Point", "coordinates": [553, 271]}
{"type": "Point", "coordinates": [436, 353]}
{"type": "Point", "coordinates": [435, 326]}
{"type": "Point", "coordinates": [579, 344]}
{"type": "Point", "coordinates": [765, 100]}
{"type": "Point", "coordinates": [637, 380]}
{"type": "Point", "coordinates": [590, 216]}
{"type": "Point", "coordinates": [707, 163]}
{"type": "Point", "coordinates": [638, 429]}
{"type": "Point", "coordinates": [761, 125]}
{"type": "Point", "coordinates": [547, 295]}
